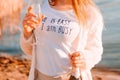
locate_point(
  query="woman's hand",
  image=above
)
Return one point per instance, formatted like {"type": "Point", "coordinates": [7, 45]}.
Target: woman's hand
{"type": "Point", "coordinates": [77, 60]}
{"type": "Point", "coordinates": [30, 22]}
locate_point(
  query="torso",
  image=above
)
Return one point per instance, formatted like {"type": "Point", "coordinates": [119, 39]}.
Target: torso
{"type": "Point", "coordinates": [55, 38]}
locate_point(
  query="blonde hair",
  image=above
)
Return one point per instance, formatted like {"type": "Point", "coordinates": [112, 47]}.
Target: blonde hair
{"type": "Point", "coordinates": [81, 9]}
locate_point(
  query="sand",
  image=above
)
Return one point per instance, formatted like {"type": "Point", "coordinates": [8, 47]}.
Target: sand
{"type": "Point", "coordinates": [17, 68]}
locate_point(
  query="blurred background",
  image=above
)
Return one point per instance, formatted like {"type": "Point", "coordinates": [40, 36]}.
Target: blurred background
{"type": "Point", "coordinates": [10, 28]}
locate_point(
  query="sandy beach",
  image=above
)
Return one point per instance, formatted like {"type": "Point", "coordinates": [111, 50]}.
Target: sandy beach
{"type": "Point", "coordinates": [16, 67]}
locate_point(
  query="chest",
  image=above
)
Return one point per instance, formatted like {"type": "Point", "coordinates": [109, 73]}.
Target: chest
{"type": "Point", "coordinates": [59, 28]}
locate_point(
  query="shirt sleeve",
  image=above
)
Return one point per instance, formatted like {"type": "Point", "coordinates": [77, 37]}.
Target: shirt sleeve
{"type": "Point", "coordinates": [94, 49]}
{"type": "Point", "coordinates": [26, 44]}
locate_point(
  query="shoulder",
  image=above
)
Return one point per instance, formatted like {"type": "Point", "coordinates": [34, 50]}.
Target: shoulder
{"type": "Point", "coordinates": [94, 13]}
{"type": "Point", "coordinates": [95, 20]}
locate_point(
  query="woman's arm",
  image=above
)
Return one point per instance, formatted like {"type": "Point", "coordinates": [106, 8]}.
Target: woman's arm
{"type": "Point", "coordinates": [29, 23]}
{"type": "Point", "coordinates": [91, 55]}
{"type": "Point", "coordinates": [26, 44]}
{"type": "Point", "coordinates": [94, 49]}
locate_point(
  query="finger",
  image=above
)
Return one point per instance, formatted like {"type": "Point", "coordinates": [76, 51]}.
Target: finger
{"type": "Point", "coordinates": [70, 55]}
{"type": "Point", "coordinates": [75, 58]}
{"type": "Point", "coordinates": [33, 18]}
{"type": "Point", "coordinates": [28, 28]}
{"type": "Point", "coordinates": [75, 54]}
{"type": "Point", "coordinates": [77, 61]}
{"type": "Point", "coordinates": [31, 15]}
{"type": "Point", "coordinates": [27, 25]}
{"type": "Point", "coordinates": [31, 25]}
{"type": "Point", "coordinates": [31, 21]}
{"type": "Point", "coordinates": [78, 64]}
{"type": "Point", "coordinates": [41, 17]}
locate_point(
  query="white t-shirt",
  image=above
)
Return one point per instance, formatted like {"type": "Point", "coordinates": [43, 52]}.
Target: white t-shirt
{"type": "Point", "coordinates": [55, 39]}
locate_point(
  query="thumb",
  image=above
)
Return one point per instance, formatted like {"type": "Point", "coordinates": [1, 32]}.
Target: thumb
{"type": "Point", "coordinates": [41, 17]}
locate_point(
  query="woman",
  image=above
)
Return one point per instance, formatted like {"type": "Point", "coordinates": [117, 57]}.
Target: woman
{"type": "Point", "coordinates": [69, 37]}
